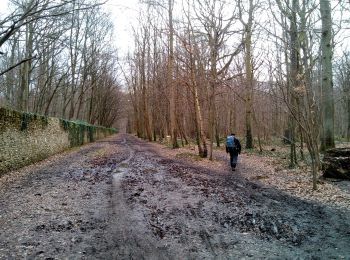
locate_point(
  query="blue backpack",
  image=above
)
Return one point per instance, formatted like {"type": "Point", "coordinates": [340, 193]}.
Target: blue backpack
{"type": "Point", "coordinates": [230, 142]}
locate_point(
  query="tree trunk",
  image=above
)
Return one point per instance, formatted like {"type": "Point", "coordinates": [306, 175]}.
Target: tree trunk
{"type": "Point", "coordinates": [10, 79]}
{"type": "Point", "coordinates": [172, 105]}
{"type": "Point", "coordinates": [314, 172]}
{"type": "Point", "coordinates": [24, 96]}
{"type": "Point", "coordinates": [73, 51]}
{"type": "Point", "coordinates": [144, 84]}
{"type": "Point", "coordinates": [217, 135]}
{"type": "Point", "coordinates": [301, 137]}
{"type": "Point", "coordinates": [327, 139]}
{"type": "Point", "coordinates": [249, 77]}
{"type": "Point", "coordinates": [212, 108]}
{"type": "Point", "coordinates": [294, 82]}
{"type": "Point", "coordinates": [348, 115]}
{"type": "Point", "coordinates": [201, 140]}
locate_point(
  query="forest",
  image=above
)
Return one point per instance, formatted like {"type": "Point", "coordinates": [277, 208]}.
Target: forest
{"type": "Point", "coordinates": [267, 70]}
{"type": "Point", "coordinates": [56, 60]}
{"type": "Point", "coordinates": [270, 71]}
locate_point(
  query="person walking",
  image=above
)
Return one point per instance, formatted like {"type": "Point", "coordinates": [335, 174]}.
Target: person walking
{"type": "Point", "coordinates": [233, 147]}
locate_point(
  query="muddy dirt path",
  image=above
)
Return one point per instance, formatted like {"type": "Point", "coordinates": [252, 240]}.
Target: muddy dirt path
{"type": "Point", "coordinates": [122, 198]}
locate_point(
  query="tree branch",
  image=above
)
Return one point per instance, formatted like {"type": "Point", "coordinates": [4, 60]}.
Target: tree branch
{"type": "Point", "coordinates": [16, 65]}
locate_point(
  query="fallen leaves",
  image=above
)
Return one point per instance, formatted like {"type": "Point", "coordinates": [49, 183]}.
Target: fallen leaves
{"type": "Point", "coordinates": [268, 171]}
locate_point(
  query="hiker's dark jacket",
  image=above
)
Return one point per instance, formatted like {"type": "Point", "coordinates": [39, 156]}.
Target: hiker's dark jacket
{"type": "Point", "coordinates": [236, 150]}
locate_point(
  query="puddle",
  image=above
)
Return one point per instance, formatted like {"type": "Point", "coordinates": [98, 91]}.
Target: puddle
{"type": "Point", "coordinates": [122, 168]}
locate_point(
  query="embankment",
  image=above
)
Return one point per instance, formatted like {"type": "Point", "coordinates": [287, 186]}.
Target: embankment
{"type": "Point", "coordinates": [26, 138]}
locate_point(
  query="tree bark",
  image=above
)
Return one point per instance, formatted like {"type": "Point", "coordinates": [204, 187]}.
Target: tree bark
{"type": "Point", "coordinates": [26, 69]}
{"type": "Point", "coordinates": [172, 105]}
{"type": "Point", "coordinates": [327, 139]}
{"type": "Point", "coordinates": [294, 82]}
{"type": "Point", "coordinates": [249, 76]}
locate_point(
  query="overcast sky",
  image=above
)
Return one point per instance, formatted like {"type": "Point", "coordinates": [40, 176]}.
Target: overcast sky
{"type": "Point", "coordinates": [123, 13]}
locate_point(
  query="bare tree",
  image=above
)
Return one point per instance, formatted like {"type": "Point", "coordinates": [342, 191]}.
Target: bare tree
{"type": "Point", "coordinates": [53, 57]}
{"type": "Point", "coordinates": [248, 61]}
{"type": "Point", "coordinates": [192, 57]}
{"type": "Point", "coordinates": [343, 78]}
{"type": "Point", "coordinates": [217, 30]}
{"type": "Point", "coordinates": [327, 138]}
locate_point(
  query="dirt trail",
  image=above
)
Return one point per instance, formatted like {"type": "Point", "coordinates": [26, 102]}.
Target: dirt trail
{"type": "Point", "coordinates": [122, 198]}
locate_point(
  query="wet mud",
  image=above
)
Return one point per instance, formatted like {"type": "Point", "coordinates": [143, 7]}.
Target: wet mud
{"type": "Point", "coordinates": [122, 198]}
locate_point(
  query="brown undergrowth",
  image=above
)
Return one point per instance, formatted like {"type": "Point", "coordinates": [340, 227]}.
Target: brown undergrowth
{"type": "Point", "coordinates": [270, 168]}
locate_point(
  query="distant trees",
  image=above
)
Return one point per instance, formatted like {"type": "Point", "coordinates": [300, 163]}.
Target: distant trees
{"type": "Point", "coordinates": [233, 69]}
{"type": "Point", "coordinates": [199, 70]}
{"type": "Point", "coordinates": [308, 84]}
{"type": "Point", "coordinates": [57, 60]}
{"type": "Point", "coordinates": [342, 78]}
{"type": "Point", "coordinates": [196, 67]}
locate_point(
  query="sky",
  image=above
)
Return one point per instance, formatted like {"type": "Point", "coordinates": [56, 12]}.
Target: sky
{"type": "Point", "coordinates": [123, 13]}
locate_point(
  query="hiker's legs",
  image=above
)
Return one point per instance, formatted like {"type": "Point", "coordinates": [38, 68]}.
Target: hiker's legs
{"type": "Point", "coordinates": [233, 160]}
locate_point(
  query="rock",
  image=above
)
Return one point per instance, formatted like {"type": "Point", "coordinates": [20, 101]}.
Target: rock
{"type": "Point", "coordinates": [336, 163]}
{"type": "Point", "coordinates": [274, 228]}
{"type": "Point", "coordinates": [40, 227]}
{"type": "Point", "coordinates": [262, 227]}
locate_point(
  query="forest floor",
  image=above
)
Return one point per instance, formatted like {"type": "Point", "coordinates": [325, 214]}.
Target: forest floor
{"type": "Point", "coordinates": [124, 198]}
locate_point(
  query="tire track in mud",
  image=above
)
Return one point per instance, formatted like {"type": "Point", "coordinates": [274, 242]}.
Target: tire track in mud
{"type": "Point", "coordinates": [133, 239]}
